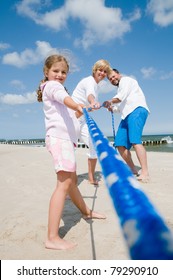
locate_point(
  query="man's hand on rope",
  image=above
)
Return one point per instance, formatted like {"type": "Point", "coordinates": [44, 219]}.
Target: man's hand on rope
{"type": "Point", "coordinates": [108, 104]}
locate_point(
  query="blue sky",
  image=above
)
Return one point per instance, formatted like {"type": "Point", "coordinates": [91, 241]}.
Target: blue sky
{"type": "Point", "coordinates": [135, 36]}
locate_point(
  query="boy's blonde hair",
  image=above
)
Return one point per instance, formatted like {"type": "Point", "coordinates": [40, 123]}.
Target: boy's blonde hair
{"type": "Point", "coordinates": [101, 64]}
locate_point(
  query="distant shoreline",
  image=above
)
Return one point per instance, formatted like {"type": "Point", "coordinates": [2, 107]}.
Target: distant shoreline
{"type": "Point", "coordinates": [154, 143]}
{"type": "Point", "coordinates": [144, 137]}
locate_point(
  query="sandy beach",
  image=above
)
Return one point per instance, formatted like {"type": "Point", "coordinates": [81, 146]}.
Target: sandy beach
{"type": "Point", "coordinates": [27, 180]}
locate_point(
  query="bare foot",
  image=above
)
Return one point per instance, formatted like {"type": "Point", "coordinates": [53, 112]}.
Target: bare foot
{"type": "Point", "coordinates": [94, 182]}
{"type": "Point", "coordinates": [94, 215]}
{"type": "Point", "coordinates": [68, 197]}
{"type": "Point", "coordinates": [59, 244]}
{"type": "Point", "coordinates": [143, 179]}
{"type": "Point", "coordinates": [135, 172]}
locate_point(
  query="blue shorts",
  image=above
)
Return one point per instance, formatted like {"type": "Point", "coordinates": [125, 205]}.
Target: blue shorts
{"type": "Point", "coordinates": [130, 129]}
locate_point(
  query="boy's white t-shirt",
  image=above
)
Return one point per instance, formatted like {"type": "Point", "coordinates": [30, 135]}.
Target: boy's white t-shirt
{"type": "Point", "coordinates": [83, 89]}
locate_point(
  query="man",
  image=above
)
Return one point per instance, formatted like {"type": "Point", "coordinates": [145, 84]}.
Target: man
{"type": "Point", "coordinates": [134, 112]}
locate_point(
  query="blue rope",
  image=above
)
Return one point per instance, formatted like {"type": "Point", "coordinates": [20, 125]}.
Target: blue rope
{"type": "Point", "coordinates": [89, 109]}
{"type": "Point", "coordinates": [113, 127]}
{"type": "Point", "coordinates": [146, 234]}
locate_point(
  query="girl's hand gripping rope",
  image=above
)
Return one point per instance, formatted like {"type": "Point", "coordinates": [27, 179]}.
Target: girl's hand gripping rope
{"type": "Point", "coordinates": [93, 107]}
{"type": "Point", "coordinates": [106, 104]}
{"type": "Point", "coordinates": [79, 110]}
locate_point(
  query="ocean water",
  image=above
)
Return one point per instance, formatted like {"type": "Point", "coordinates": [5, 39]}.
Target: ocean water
{"type": "Point", "coordinates": [165, 147]}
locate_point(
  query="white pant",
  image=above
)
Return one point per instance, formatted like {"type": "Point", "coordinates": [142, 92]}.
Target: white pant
{"type": "Point", "coordinates": [86, 139]}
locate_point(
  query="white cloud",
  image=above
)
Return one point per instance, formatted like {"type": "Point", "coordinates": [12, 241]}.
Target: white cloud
{"type": "Point", "coordinates": [162, 11]}
{"type": "Point", "coordinates": [31, 57]}
{"type": "Point", "coordinates": [148, 72]}
{"type": "Point", "coordinates": [100, 23]}
{"type": "Point", "coordinates": [18, 99]}
{"type": "Point", "coordinates": [4, 46]}
{"type": "Point", "coordinates": [17, 84]}
{"type": "Point", "coordinates": [28, 56]}
{"type": "Point", "coordinates": [167, 76]}
{"type": "Point", "coordinates": [25, 7]}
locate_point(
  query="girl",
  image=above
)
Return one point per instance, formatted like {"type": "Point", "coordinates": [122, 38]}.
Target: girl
{"type": "Point", "coordinates": [61, 137]}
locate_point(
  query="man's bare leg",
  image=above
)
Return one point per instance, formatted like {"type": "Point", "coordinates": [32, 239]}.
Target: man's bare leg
{"type": "Point", "coordinates": [142, 157]}
{"type": "Point", "coordinates": [126, 155]}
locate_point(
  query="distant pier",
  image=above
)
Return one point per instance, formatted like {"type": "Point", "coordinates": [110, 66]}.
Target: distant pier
{"type": "Point", "coordinates": [153, 142]}
{"type": "Point", "coordinates": [23, 142]}
{"type": "Point", "coordinates": [41, 142]}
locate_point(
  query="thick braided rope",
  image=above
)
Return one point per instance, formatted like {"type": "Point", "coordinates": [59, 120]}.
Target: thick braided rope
{"type": "Point", "coordinates": [113, 126]}
{"type": "Point", "coordinates": [146, 234]}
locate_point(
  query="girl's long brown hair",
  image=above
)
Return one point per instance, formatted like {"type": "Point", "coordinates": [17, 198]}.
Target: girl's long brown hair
{"type": "Point", "coordinates": [47, 65]}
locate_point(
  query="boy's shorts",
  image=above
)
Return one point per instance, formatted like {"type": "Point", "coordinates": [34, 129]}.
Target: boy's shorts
{"type": "Point", "coordinates": [130, 129]}
{"type": "Point", "coordinates": [85, 138]}
{"type": "Point", "coordinates": [63, 153]}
